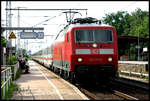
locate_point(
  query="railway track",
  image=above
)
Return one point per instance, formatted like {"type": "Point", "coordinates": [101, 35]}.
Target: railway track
{"type": "Point", "coordinates": [134, 88]}
{"type": "Point", "coordinates": [131, 82]}
{"type": "Point", "coordinates": [128, 97]}
{"type": "Point", "coordinates": [115, 90]}
{"type": "Point", "coordinates": [107, 94]}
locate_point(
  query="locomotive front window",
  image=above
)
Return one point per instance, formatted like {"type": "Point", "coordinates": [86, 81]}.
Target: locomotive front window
{"type": "Point", "coordinates": [93, 36]}
{"type": "Point", "coordinates": [84, 35]}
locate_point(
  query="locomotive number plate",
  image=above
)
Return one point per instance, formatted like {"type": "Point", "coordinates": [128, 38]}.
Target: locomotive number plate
{"type": "Point", "coordinates": [95, 59]}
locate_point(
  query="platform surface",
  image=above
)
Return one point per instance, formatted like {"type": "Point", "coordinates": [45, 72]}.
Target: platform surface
{"type": "Point", "coordinates": [42, 84]}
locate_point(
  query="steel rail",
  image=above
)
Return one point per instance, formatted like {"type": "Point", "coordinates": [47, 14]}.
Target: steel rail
{"type": "Point", "coordinates": [91, 95]}
{"type": "Point", "coordinates": [135, 83]}
{"type": "Point", "coordinates": [115, 92]}
{"type": "Point", "coordinates": [124, 95]}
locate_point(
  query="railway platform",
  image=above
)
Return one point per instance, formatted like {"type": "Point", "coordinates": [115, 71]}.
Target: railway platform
{"type": "Point", "coordinates": [42, 84]}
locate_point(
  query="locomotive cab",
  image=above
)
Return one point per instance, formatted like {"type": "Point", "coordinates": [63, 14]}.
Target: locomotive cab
{"type": "Point", "coordinates": [94, 51]}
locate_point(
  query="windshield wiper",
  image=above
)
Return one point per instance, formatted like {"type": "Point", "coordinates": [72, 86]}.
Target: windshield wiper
{"type": "Point", "coordinates": [109, 42]}
{"type": "Point", "coordinates": [78, 40]}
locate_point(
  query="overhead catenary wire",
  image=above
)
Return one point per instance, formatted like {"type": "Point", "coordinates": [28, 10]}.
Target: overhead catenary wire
{"type": "Point", "coordinates": [32, 9]}
{"type": "Point", "coordinates": [69, 21]}
{"type": "Point", "coordinates": [129, 5]}
{"type": "Point", "coordinates": [43, 9]}
{"type": "Point", "coordinates": [36, 16]}
{"type": "Point", "coordinates": [23, 21]}
{"type": "Point", "coordinates": [47, 20]}
{"type": "Point", "coordinates": [71, 17]}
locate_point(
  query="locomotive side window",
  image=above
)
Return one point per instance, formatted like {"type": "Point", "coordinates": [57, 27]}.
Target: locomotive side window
{"type": "Point", "coordinates": [67, 37]}
{"type": "Point", "coordinates": [93, 36]}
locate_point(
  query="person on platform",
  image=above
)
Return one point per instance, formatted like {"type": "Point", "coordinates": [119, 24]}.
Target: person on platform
{"type": "Point", "coordinates": [20, 62]}
{"type": "Point", "coordinates": [26, 66]}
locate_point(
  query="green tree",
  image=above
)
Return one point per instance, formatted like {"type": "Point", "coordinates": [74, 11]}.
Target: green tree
{"type": "Point", "coordinates": [139, 22]}
{"type": "Point", "coordinates": [3, 41]}
{"type": "Point", "coordinates": [129, 24]}
{"type": "Point", "coordinates": [143, 29]}
{"type": "Point", "coordinates": [119, 20]}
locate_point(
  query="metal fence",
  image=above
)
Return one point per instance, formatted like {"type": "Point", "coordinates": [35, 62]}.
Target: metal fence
{"type": "Point", "coordinates": [6, 77]}
{"type": "Point", "coordinates": [6, 80]}
{"type": "Point", "coordinates": [14, 70]}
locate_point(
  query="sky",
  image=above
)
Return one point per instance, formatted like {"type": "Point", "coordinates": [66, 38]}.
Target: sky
{"type": "Point", "coordinates": [96, 9]}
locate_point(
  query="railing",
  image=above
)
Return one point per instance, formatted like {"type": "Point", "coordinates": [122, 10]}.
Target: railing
{"type": "Point", "coordinates": [16, 66]}
{"type": "Point", "coordinates": [6, 79]}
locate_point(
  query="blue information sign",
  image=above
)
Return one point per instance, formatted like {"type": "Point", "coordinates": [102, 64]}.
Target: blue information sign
{"type": "Point", "coordinates": [40, 35]}
{"type": "Point", "coordinates": [28, 35]}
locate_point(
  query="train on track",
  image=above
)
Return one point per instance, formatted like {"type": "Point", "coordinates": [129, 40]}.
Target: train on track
{"type": "Point", "coordinates": [85, 48]}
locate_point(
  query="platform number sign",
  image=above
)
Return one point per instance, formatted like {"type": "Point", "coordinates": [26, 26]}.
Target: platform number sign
{"type": "Point", "coordinates": [40, 35]}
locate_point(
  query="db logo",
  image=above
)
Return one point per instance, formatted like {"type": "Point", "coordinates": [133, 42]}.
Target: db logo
{"type": "Point", "coordinates": [95, 51]}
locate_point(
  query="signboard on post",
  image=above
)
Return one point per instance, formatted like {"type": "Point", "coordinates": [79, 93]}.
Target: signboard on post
{"type": "Point", "coordinates": [31, 35]}
{"type": "Point", "coordinates": [28, 35]}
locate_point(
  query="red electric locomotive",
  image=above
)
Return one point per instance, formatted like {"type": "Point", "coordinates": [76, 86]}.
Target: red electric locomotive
{"type": "Point", "coordinates": [83, 49]}
{"type": "Point", "coordinates": [86, 48]}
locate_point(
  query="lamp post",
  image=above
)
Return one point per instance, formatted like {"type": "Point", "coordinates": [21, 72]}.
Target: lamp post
{"type": "Point", "coordinates": [138, 47]}
{"type": "Point", "coordinates": [18, 39]}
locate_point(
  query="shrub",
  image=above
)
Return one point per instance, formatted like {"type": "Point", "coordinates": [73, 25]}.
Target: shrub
{"type": "Point", "coordinates": [12, 60]}
{"type": "Point", "coordinates": [13, 87]}
{"type": "Point", "coordinates": [18, 73]}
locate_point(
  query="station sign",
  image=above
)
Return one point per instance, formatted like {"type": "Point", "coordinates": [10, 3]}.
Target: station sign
{"type": "Point", "coordinates": [31, 35]}
{"type": "Point", "coordinates": [28, 35]}
{"type": "Point", "coordinates": [145, 49]}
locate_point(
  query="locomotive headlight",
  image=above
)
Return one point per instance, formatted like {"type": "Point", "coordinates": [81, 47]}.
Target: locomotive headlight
{"type": "Point", "coordinates": [110, 59]}
{"type": "Point", "coordinates": [94, 45]}
{"type": "Point", "coordinates": [79, 59]}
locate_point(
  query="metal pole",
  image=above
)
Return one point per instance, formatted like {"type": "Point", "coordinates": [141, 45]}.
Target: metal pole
{"type": "Point", "coordinates": [7, 79]}
{"type": "Point", "coordinates": [138, 47]}
{"type": "Point", "coordinates": [86, 13]}
{"type": "Point", "coordinates": [10, 25]}
{"type": "Point", "coordinates": [4, 86]}
{"type": "Point", "coordinates": [27, 44]}
{"type": "Point", "coordinates": [138, 43]}
{"type": "Point", "coordinates": [18, 41]}
{"type": "Point", "coordinates": [6, 30]}
{"type": "Point", "coordinates": [6, 19]}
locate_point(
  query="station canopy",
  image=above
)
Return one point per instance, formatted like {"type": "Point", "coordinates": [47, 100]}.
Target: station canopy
{"type": "Point", "coordinates": [131, 39]}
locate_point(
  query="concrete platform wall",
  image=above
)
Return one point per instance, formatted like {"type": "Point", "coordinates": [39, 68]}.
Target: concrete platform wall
{"type": "Point", "coordinates": [133, 66]}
